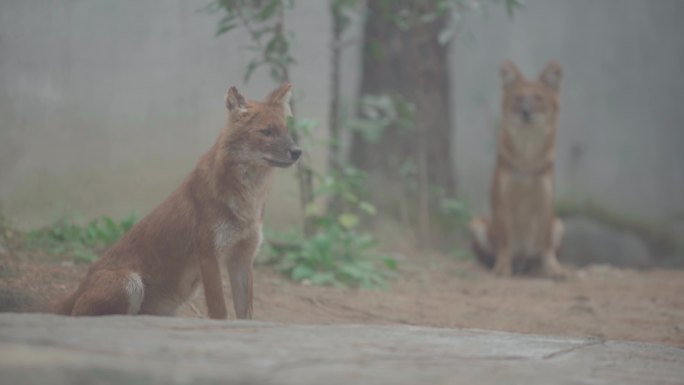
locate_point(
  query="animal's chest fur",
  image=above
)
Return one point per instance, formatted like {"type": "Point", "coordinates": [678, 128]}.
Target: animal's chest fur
{"type": "Point", "coordinates": [527, 143]}
{"type": "Point", "coordinates": [246, 206]}
{"type": "Point", "coordinates": [234, 217]}
{"type": "Point", "coordinates": [227, 235]}
{"type": "Point", "coordinates": [525, 211]}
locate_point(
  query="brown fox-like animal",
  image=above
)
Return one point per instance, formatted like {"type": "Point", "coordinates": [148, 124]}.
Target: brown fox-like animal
{"type": "Point", "coordinates": [523, 226]}
{"type": "Point", "coordinates": [212, 220]}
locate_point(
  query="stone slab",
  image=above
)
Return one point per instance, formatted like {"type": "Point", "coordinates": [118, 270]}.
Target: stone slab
{"type": "Point", "coordinates": [49, 349]}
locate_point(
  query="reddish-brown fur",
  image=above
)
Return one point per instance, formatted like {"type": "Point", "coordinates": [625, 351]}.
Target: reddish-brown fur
{"type": "Point", "coordinates": [212, 220]}
{"type": "Point", "coordinates": [523, 224]}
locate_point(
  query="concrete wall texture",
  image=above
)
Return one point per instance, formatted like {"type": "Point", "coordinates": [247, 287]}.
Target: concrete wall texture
{"type": "Point", "coordinates": [621, 118]}
{"type": "Point", "coordinates": [106, 105]}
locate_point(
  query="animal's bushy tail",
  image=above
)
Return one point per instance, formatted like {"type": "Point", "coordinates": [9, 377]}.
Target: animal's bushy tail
{"type": "Point", "coordinates": [487, 259]}
{"type": "Point", "coordinates": [481, 242]}
{"type": "Point", "coordinates": [65, 306]}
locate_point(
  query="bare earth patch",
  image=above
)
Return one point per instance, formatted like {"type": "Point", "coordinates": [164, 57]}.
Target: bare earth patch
{"type": "Point", "coordinates": [601, 301]}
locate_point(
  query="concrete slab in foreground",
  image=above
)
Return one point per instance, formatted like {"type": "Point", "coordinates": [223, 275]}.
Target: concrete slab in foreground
{"type": "Point", "coordinates": [46, 349]}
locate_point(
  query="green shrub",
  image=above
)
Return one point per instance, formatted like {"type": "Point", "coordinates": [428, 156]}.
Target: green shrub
{"type": "Point", "coordinates": [340, 252]}
{"type": "Point", "coordinates": [82, 242]}
{"type": "Point", "coordinates": [336, 255]}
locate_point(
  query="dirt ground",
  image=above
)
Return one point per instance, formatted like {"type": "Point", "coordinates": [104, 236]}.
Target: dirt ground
{"type": "Point", "coordinates": [600, 301]}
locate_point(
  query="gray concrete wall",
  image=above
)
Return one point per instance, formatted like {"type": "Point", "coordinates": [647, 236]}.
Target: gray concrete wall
{"type": "Point", "coordinates": [106, 105]}
{"type": "Point", "coordinates": [622, 98]}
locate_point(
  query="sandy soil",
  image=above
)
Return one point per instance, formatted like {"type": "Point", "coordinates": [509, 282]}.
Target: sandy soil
{"type": "Point", "coordinates": [600, 301]}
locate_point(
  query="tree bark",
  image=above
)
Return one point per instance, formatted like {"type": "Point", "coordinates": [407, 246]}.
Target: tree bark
{"type": "Point", "coordinates": [304, 172]}
{"type": "Point", "coordinates": [410, 63]}
{"type": "Point", "coordinates": [334, 148]}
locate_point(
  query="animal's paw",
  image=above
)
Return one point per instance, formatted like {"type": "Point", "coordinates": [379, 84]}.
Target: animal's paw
{"type": "Point", "coordinates": [552, 269]}
{"type": "Point", "coordinates": [503, 268]}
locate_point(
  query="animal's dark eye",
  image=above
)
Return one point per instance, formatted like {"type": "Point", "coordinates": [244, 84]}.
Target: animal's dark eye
{"type": "Point", "coordinates": [267, 131]}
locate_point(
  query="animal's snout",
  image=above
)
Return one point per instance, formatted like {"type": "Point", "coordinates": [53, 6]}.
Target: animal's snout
{"type": "Point", "coordinates": [526, 114]}
{"type": "Point", "coordinates": [526, 109]}
{"type": "Point", "coordinates": [295, 153]}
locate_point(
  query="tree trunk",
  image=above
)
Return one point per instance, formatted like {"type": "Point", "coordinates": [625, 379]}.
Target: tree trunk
{"type": "Point", "coordinates": [304, 179]}
{"type": "Point", "coordinates": [412, 64]}
{"type": "Point", "coordinates": [304, 172]}
{"type": "Point", "coordinates": [334, 146]}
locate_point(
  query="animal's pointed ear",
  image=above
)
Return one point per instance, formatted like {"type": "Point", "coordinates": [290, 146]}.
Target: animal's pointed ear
{"type": "Point", "coordinates": [281, 96]}
{"type": "Point", "coordinates": [510, 74]}
{"type": "Point", "coordinates": [551, 75]}
{"type": "Point", "coordinates": [235, 102]}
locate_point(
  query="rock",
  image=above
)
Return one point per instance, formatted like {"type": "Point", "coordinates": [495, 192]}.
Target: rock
{"type": "Point", "coordinates": [590, 242]}
{"type": "Point", "coordinates": [49, 349]}
{"type": "Point", "coordinates": [677, 231]}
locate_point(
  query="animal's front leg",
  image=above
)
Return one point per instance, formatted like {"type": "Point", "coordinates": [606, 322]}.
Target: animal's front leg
{"type": "Point", "coordinates": [481, 241]}
{"type": "Point", "coordinates": [503, 266]}
{"type": "Point", "coordinates": [211, 277]}
{"type": "Point", "coordinates": [550, 265]}
{"type": "Point", "coordinates": [504, 262]}
{"type": "Point", "coordinates": [241, 276]}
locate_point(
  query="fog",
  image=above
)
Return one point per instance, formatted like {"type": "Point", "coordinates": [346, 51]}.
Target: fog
{"type": "Point", "coordinates": [620, 132]}
{"type": "Point", "coordinates": [105, 106]}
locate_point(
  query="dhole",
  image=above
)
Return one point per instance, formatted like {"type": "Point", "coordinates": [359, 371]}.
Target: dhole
{"type": "Point", "coordinates": [523, 226]}
{"type": "Point", "coordinates": [212, 220]}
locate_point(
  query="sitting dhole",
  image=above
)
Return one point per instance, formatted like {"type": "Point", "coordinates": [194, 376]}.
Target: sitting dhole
{"type": "Point", "coordinates": [212, 220]}
{"type": "Point", "coordinates": [523, 226]}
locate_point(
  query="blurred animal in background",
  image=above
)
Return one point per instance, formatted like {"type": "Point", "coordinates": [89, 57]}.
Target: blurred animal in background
{"type": "Point", "coordinates": [523, 233]}
{"type": "Point", "coordinates": [212, 220]}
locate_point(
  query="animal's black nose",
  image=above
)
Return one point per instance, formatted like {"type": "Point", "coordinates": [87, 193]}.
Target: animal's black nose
{"type": "Point", "coordinates": [526, 115]}
{"type": "Point", "coordinates": [295, 153]}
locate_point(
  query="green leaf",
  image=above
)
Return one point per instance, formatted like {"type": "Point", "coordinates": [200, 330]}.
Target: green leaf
{"type": "Point", "coordinates": [512, 5]}
{"type": "Point", "coordinates": [210, 8]}
{"type": "Point", "coordinates": [348, 220]}
{"type": "Point", "coordinates": [391, 263]}
{"type": "Point", "coordinates": [268, 11]}
{"type": "Point", "coordinates": [375, 49]}
{"type": "Point", "coordinates": [301, 272]}
{"type": "Point", "coordinates": [445, 35]}
{"type": "Point", "coordinates": [428, 17]}
{"type": "Point", "coordinates": [224, 28]}
{"type": "Point", "coordinates": [129, 221]}
{"type": "Point", "coordinates": [349, 197]}
{"type": "Point", "coordinates": [353, 271]}
{"type": "Point", "coordinates": [251, 67]}
{"type": "Point", "coordinates": [334, 255]}
{"type": "Point", "coordinates": [84, 255]}
{"type": "Point", "coordinates": [303, 127]}
{"type": "Point", "coordinates": [367, 207]}
{"type": "Point", "coordinates": [312, 210]}
{"type": "Point", "coordinates": [68, 237]}
{"type": "Point", "coordinates": [364, 242]}
{"type": "Point", "coordinates": [322, 278]}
